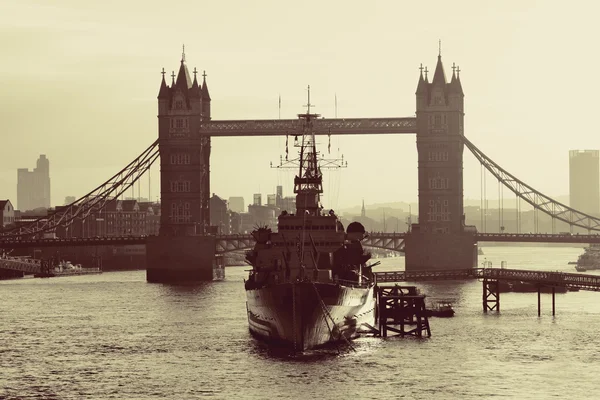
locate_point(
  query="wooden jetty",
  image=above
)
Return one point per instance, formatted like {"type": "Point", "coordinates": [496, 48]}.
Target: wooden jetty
{"type": "Point", "coordinates": [401, 309]}
{"type": "Point", "coordinates": [492, 278]}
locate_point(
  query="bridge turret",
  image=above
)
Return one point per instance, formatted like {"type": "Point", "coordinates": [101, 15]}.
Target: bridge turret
{"type": "Point", "coordinates": [455, 92]}
{"type": "Point", "coordinates": [205, 98]}
{"type": "Point", "coordinates": [422, 90]}
{"type": "Point", "coordinates": [163, 95]}
{"type": "Point", "coordinates": [195, 96]}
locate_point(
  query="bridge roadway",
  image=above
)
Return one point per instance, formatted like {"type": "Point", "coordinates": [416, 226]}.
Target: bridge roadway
{"type": "Point", "coordinates": [544, 278]}
{"type": "Point", "coordinates": [236, 242]}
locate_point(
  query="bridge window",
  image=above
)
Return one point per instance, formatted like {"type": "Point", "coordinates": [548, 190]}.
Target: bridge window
{"type": "Point", "coordinates": [439, 183]}
{"type": "Point", "coordinates": [179, 123]}
{"type": "Point", "coordinates": [180, 158]}
{"type": "Point", "coordinates": [181, 186]}
{"type": "Point", "coordinates": [438, 156]}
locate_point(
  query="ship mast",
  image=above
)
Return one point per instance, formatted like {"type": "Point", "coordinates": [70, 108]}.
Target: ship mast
{"type": "Point", "coordinates": [308, 184]}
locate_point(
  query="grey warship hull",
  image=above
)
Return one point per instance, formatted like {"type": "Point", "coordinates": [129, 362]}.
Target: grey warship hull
{"type": "Point", "coordinates": [305, 315]}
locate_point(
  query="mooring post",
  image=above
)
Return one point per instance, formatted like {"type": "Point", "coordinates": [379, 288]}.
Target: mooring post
{"type": "Point", "coordinates": [539, 300]}
{"type": "Point", "coordinates": [484, 297]}
{"type": "Point", "coordinates": [553, 308]}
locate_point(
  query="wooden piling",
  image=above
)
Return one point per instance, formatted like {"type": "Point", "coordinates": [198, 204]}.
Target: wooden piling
{"type": "Point", "coordinates": [539, 288]}
{"type": "Point", "coordinates": [491, 295]}
{"type": "Point", "coordinates": [553, 304]}
{"type": "Point", "coordinates": [399, 308]}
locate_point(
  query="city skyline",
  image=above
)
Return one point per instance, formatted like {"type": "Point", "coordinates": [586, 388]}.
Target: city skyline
{"type": "Point", "coordinates": [104, 90]}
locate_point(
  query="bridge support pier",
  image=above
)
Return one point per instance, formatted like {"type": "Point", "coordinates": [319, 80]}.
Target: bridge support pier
{"type": "Point", "coordinates": [427, 251]}
{"type": "Point", "coordinates": [491, 295]}
{"type": "Point", "coordinates": [180, 258]}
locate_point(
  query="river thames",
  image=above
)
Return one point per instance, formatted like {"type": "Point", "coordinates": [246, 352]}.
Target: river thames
{"type": "Point", "coordinates": [114, 336]}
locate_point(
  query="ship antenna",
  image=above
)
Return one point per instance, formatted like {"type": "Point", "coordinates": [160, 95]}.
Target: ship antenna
{"type": "Point", "coordinates": [308, 105]}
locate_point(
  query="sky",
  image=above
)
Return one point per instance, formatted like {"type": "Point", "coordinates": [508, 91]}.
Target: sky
{"type": "Point", "coordinates": [79, 83]}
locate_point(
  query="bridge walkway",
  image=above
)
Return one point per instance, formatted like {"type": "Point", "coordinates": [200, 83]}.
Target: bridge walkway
{"type": "Point", "coordinates": [491, 278]}
{"type": "Point", "coordinates": [545, 278]}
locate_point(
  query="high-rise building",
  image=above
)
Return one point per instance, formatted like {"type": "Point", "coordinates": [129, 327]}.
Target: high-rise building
{"type": "Point", "coordinates": [584, 181]}
{"type": "Point", "coordinates": [69, 200]}
{"type": "Point", "coordinates": [257, 199]}
{"type": "Point", "coordinates": [33, 187]}
{"type": "Point", "coordinates": [236, 204]}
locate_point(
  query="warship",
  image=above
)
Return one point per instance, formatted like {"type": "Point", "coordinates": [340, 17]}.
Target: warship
{"type": "Point", "coordinates": [309, 284]}
{"type": "Point", "coordinates": [590, 259]}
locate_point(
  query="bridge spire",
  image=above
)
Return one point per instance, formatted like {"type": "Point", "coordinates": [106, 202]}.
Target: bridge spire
{"type": "Point", "coordinates": [439, 76]}
{"type": "Point", "coordinates": [164, 89]}
{"type": "Point", "coordinates": [455, 85]}
{"type": "Point", "coordinates": [205, 94]}
{"type": "Point", "coordinates": [184, 80]}
{"type": "Point", "coordinates": [195, 89]}
{"type": "Point", "coordinates": [422, 85]}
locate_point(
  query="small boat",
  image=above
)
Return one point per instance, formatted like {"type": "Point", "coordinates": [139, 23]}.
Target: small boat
{"type": "Point", "coordinates": [442, 309]}
{"type": "Point", "coordinates": [580, 268]}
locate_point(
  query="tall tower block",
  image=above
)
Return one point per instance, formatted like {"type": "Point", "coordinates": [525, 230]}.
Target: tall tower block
{"type": "Point", "coordinates": [182, 251]}
{"type": "Point", "coordinates": [440, 240]}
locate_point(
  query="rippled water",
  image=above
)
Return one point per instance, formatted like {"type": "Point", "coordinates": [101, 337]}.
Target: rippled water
{"type": "Point", "coordinates": [116, 336]}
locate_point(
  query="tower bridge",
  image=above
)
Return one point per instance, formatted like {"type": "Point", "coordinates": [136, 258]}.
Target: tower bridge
{"type": "Point", "coordinates": [185, 247]}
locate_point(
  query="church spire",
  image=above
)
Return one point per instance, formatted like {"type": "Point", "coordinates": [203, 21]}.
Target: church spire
{"type": "Point", "coordinates": [363, 212]}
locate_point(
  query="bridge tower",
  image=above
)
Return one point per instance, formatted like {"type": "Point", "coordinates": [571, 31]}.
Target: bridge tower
{"type": "Point", "coordinates": [440, 240]}
{"type": "Point", "coordinates": [182, 243]}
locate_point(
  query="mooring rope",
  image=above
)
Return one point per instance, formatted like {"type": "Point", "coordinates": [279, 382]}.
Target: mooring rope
{"type": "Point", "coordinates": [328, 315]}
{"type": "Point", "coordinates": [294, 313]}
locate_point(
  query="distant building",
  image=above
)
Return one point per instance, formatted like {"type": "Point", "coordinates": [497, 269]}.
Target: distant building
{"type": "Point", "coordinates": [236, 204]}
{"type": "Point", "coordinates": [219, 215]}
{"type": "Point", "coordinates": [262, 215]}
{"type": "Point", "coordinates": [584, 181]}
{"type": "Point", "coordinates": [7, 213]}
{"type": "Point", "coordinates": [33, 187]}
{"type": "Point", "coordinates": [236, 222]}
{"type": "Point", "coordinates": [257, 199]}
{"type": "Point", "coordinates": [288, 204]}
{"type": "Point", "coordinates": [69, 200]}
{"type": "Point", "coordinates": [152, 211]}
{"type": "Point", "coordinates": [117, 218]}
{"type": "Point", "coordinates": [271, 200]}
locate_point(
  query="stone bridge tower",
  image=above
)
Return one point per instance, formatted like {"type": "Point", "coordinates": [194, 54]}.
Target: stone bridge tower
{"type": "Point", "coordinates": [183, 251]}
{"type": "Point", "coordinates": [440, 239]}
{"type": "Point", "coordinates": [184, 154]}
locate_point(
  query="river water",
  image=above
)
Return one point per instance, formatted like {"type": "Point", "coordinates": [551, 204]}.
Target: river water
{"type": "Point", "coordinates": [114, 336]}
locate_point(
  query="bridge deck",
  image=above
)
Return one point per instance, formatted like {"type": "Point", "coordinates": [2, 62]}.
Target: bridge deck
{"type": "Point", "coordinates": [234, 242]}
{"type": "Point", "coordinates": [545, 278]}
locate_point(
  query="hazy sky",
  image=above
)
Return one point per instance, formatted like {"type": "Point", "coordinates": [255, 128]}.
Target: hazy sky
{"type": "Point", "coordinates": [79, 82]}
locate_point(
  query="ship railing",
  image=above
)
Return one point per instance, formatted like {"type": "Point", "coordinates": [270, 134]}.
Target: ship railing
{"type": "Point", "coordinates": [352, 283]}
